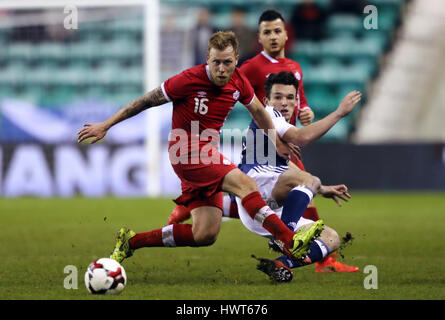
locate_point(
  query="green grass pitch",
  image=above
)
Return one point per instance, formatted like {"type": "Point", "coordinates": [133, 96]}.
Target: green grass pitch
{"type": "Point", "coordinates": [401, 234]}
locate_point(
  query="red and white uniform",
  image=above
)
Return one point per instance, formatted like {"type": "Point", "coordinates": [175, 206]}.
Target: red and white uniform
{"type": "Point", "coordinates": [261, 66]}
{"type": "Point", "coordinates": [199, 111]}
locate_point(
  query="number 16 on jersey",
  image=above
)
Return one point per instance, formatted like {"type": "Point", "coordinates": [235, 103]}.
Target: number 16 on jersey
{"type": "Point", "coordinates": [200, 105]}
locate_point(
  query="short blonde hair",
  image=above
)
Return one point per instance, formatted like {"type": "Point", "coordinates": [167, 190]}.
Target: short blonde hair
{"type": "Point", "coordinates": [222, 39]}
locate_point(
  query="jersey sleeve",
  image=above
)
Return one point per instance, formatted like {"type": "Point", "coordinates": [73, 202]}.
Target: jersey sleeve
{"type": "Point", "coordinates": [176, 87]}
{"type": "Point", "coordinates": [246, 68]}
{"type": "Point", "coordinates": [246, 91]}
{"type": "Point", "coordinates": [251, 73]}
{"type": "Point", "coordinates": [279, 122]}
{"type": "Point", "coordinates": [303, 101]}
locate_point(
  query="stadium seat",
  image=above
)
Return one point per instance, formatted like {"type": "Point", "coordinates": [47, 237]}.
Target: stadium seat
{"type": "Point", "coordinates": [305, 49]}
{"type": "Point", "coordinates": [50, 50]}
{"type": "Point", "coordinates": [34, 93]}
{"type": "Point", "coordinates": [13, 74]}
{"type": "Point", "coordinates": [6, 91]}
{"type": "Point", "coordinates": [339, 47]}
{"type": "Point", "coordinates": [321, 99]}
{"type": "Point", "coordinates": [339, 132]}
{"type": "Point", "coordinates": [20, 51]}
{"type": "Point", "coordinates": [344, 23]}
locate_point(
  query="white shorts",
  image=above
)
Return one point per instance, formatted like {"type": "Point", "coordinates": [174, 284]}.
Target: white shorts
{"type": "Point", "coordinates": [265, 177]}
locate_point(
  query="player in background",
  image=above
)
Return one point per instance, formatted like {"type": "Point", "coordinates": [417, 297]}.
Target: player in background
{"type": "Point", "coordinates": [272, 36]}
{"type": "Point", "coordinates": [202, 97]}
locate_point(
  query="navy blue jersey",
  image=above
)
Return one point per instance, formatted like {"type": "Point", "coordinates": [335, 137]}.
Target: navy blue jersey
{"type": "Point", "coordinates": [258, 150]}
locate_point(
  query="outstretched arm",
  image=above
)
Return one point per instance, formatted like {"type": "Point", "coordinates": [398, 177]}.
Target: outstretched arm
{"type": "Point", "coordinates": [98, 130]}
{"type": "Point", "coordinates": [315, 130]}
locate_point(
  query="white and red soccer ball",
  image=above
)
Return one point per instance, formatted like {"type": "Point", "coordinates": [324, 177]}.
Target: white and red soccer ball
{"type": "Point", "coordinates": [105, 276]}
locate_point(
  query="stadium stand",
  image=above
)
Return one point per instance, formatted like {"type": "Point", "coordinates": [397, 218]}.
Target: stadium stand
{"type": "Point", "coordinates": [349, 57]}
{"type": "Point", "coordinates": [103, 58]}
{"type": "Point", "coordinates": [407, 98]}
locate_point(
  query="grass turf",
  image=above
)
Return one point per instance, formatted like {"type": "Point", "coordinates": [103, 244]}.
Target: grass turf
{"type": "Point", "coordinates": [399, 233]}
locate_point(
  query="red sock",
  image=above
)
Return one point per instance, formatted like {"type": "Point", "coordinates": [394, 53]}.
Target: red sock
{"type": "Point", "coordinates": [311, 213]}
{"type": "Point", "coordinates": [174, 235]}
{"type": "Point", "coordinates": [258, 209]}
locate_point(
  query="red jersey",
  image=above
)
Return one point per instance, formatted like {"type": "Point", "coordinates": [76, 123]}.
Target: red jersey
{"type": "Point", "coordinates": [262, 65]}
{"type": "Point", "coordinates": [199, 105]}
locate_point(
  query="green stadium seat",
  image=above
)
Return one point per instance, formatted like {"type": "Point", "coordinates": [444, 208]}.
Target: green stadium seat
{"type": "Point", "coordinates": [6, 91]}
{"type": "Point", "coordinates": [60, 95]}
{"type": "Point", "coordinates": [122, 98]}
{"type": "Point", "coordinates": [321, 99]}
{"type": "Point", "coordinates": [121, 48]}
{"type": "Point", "coordinates": [342, 23]}
{"type": "Point", "coordinates": [12, 75]}
{"type": "Point", "coordinates": [222, 19]}
{"type": "Point", "coordinates": [339, 132]}
{"type": "Point", "coordinates": [387, 20]}
{"type": "Point", "coordinates": [50, 50]}
{"type": "Point", "coordinates": [35, 93]}
{"type": "Point", "coordinates": [368, 47]}
{"type": "Point", "coordinates": [20, 51]}
{"type": "Point", "coordinates": [306, 49]}
{"type": "Point", "coordinates": [322, 74]}
{"type": "Point", "coordinates": [342, 89]}
{"type": "Point", "coordinates": [83, 50]}
{"type": "Point", "coordinates": [96, 92]}
{"type": "Point", "coordinates": [339, 47]}
{"type": "Point", "coordinates": [367, 64]}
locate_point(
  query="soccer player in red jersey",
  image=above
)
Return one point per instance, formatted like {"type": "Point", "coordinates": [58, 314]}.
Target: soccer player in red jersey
{"type": "Point", "coordinates": [202, 97]}
{"type": "Point", "coordinates": [272, 36]}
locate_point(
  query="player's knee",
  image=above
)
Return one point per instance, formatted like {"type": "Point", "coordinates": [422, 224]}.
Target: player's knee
{"type": "Point", "coordinates": [249, 184]}
{"type": "Point", "coordinates": [292, 178]}
{"type": "Point", "coordinates": [205, 238]}
{"type": "Point", "coordinates": [314, 183]}
{"type": "Point", "coordinates": [331, 238]}
{"type": "Point", "coordinates": [238, 183]}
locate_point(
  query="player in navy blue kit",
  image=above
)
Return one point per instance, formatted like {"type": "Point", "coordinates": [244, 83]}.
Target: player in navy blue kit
{"type": "Point", "coordinates": [286, 188]}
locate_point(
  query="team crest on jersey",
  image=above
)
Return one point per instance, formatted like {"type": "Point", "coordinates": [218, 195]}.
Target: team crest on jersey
{"type": "Point", "coordinates": [298, 76]}
{"type": "Point", "coordinates": [236, 95]}
{"type": "Point", "coordinates": [202, 94]}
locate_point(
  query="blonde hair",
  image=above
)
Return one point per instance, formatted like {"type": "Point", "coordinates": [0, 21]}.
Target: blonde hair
{"type": "Point", "coordinates": [222, 39]}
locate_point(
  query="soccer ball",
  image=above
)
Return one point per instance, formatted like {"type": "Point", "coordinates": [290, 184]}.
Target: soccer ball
{"type": "Point", "coordinates": [105, 276]}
